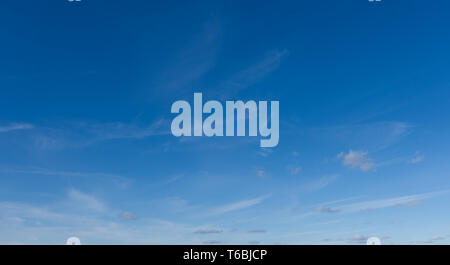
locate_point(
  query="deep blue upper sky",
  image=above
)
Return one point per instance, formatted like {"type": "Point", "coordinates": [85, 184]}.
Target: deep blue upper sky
{"type": "Point", "coordinates": [86, 90]}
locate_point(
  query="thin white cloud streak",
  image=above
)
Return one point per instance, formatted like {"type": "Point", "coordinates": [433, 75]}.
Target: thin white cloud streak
{"type": "Point", "coordinates": [339, 201]}
{"type": "Point", "coordinates": [23, 211]}
{"type": "Point", "coordinates": [238, 205]}
{"type": "Point", "coordinates": [265, 152]}
{"type": "Point", "coordinates": [16, 126]}
{"type": "Point", "coordinates": [193, 60]}
{"type": "Point", "coordinates": [326, 209]}
{"type": "Point", "coordinates": [257, 231]}
{"type": "Point", "coordinates": [320, 183]}
{"type": "Point", "coordinates": [393, 132]}
{"type": "Point", "coordinates": [368, 205]}
{"type": "Point", "coordinates": [384, 203]}
{"type": "Point", "coordinates": [434, 240]}
{"type": "Point", "coordinates": [119, 130]}
{"type": "Point", "coordinates": [120, 180]}
{"type": "Point", "coordinates": [375, 136]}
{"type": "Point", "coordinates": [208, 231]}
{"type": "Point", "coordinates": [326, 223]}
{"type": "Point", "coordinates": [254, 73]}
{"type": "Point", "coordinates": [82, 134]}
{"type": "Point", "coordinates": [72, 210]}
{"type": "Point", "coordinates": [87, 201]}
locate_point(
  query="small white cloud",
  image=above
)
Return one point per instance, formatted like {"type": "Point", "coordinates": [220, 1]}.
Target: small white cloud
{"type": "Point", "coordinates": [417, 158]}
{"type": "Point", "coordinates": [173, 179]}
{"type": "Point", "coordinates": [356, 159]}
{"type": "Point", "coordinates": [128, 216]}
{"type": "Point", "coordinates": [261, 173]}
{"type": "Point", "coordinates": [257, 231]}
{"type": "Point", "coordinates": [326, 209]}
{"type": "Point", "coordinates": [360, 239]}
{"type": "Point", "coordinates": [294, 170]}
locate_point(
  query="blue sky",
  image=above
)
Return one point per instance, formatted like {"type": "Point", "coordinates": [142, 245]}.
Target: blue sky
{"type": "Point", "coordinates": [86, 91]}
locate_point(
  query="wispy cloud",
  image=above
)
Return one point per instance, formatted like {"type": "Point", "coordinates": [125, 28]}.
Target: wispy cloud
{"type": "Point", "coordinates": [320, 183]}
{"type": "Point", "coordinates": [410, 200]}
{"type": "Point", "coordinates": [434, 240]}
{"type": "Point", "coordinates": [384, 203]}
{"type": "Point", "coordinates": [326, 209]}
{"type": "Point", "coordinates": [208, 231]}
{"type": "Point", "coordinates": [238, 205]}
{"type": "Point", "coordinates": [294, 169]}
{"type": "Point", "coordinates": [172, 179]}
{"type": "Point", "coordinates": [211, 242]}
{"type": "Point", "coordinates": [253, 73]}
{"type": "Point", "coordinates": [192, 61]}
{"type": "Point", "coordinates": [257, 231]}
{"type": "Point", "coordinates": [73, 209]}
{"type": "Point", "coordinates": [265, 152]}
{"type": "Point", "coordinates": [326, 223]}
{"type": "Point", "coordinates": [119, 130]}
{"type": "Point", "coordinates": [417, 158]}
{"type": "Point", "coordinates": [374, 136]}
{"type": "Point", "coordinates": [15, 126]}
{"type": "Point", "coordinates": [127, 216]}
{"type": "Point", "coordinates": [82, 134]}
{"type": "Point", "coordinates": [410, 204]}
{"type": "Point", "coordinates": [23, 211]}
{"type": "Point", "coordinates": [359, 239]}
{"type": "Point", "coordinates": [261, 173]}
{"type": "Point", "coordinates": [339, 201]}
{"type": "Point", "coordinates": [87, 201]}
{"type": "Point", "coordinates": [118, 179]}
{"type": "Point", "coordinates": [45, 224]}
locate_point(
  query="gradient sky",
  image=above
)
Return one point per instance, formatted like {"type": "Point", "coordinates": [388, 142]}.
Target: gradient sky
{"type": "Point", "coordinates": [86, 90]}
